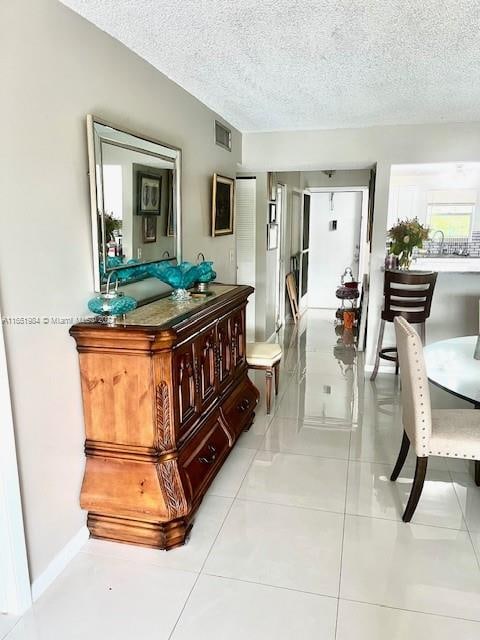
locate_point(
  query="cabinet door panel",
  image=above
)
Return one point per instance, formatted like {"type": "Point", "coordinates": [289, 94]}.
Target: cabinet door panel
{"type": "Point", "coordinates": [204, 349]}
{"type": "Point", "coordinates": [185, 396]}
{"type": "Point", "coordinates": [224, 353]}
{"type": "Point", "coordinates": [238, 341]}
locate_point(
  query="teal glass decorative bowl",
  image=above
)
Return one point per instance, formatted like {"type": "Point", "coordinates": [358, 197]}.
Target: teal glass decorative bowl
{"type": "Point", "coordinates": [206, 272]}
{"type": "Point", "coordinates": [182, 276]}
{"type": "Point", "coordinates": [112, 305]}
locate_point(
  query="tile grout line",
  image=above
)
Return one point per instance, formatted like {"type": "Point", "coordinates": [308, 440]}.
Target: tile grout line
{"type": "Point", "coordinates": [343, 537]}
{"type": "Point", "coordinates": [15, 625]}
{"type": "Point", "coordinates": [417, 611]}
{"type": "Point", "coordinates": [200, 572]}
{"type": "Point", "coordinates": [271, 586]}
{"type": "Point", "coordinates": [475, 552]}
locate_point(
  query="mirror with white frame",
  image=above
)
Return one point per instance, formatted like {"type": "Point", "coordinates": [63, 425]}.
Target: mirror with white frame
{"type": "Point", "coordinates": [136, 209]}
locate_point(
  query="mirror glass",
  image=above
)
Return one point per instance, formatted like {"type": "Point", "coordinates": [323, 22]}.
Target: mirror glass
{"type": "Point", "coordinates": [135, 188]}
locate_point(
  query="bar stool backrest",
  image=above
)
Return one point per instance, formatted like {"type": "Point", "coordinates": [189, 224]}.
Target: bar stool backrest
{"type": "Point", "coordinates": [408, 294]}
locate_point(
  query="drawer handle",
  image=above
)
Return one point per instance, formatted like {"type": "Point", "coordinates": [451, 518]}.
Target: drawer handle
{"type": "Point", "coordinates": [212, 458]}
{"type": "Point", "coordinates": [243, 406]}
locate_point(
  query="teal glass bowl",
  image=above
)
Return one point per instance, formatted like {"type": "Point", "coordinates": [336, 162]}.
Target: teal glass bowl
{"type": "Point", "coordinates": [180, 276]}
{"type": "Point", "coordinates": [112, 304]}
{"type": "Point", "coordinates": [184, 275]}
{"type": "Point", "coordinates": [206, 272]}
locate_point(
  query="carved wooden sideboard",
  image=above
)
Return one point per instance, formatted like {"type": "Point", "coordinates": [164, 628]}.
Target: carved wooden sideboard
{"type": "Point", "coordinates": [165, 398]}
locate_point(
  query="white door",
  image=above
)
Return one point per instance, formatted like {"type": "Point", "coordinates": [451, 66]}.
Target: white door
{"type": "Point", "coordinates": [335, 220]}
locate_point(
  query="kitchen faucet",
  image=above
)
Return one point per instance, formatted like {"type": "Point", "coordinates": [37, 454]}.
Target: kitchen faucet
{"type": "Point", "coordinates": [442, 241]}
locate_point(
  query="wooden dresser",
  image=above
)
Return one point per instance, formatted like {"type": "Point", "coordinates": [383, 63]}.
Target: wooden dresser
{"type": "Point", "coordinates": [165, 398]}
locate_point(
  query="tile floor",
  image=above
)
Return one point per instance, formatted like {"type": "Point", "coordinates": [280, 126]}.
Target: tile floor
{"type": "Point", "coordinates": [300, 535]}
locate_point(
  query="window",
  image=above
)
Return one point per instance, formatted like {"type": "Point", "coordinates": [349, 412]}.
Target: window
{"type": "Point", "coordinates": [451, 212]}
{"type": "Point", "coordinates": [454, 220]}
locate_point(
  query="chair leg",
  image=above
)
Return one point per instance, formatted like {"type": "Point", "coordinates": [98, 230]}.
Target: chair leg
{"type": "Point", "coordinates": [268, 380]}
{"type": "Point", "coordinates": [402, 456]}
{"type": "Point", "coordinates": [416, 492]}
{"type": "Point", "coordinates": [477, 473]}
{"type": "Point", "coordinates": [276, 369]}
{"type": "Point", "coordinates": [381, 331]}
{"type": "Point", "coordinates": [423, 333]}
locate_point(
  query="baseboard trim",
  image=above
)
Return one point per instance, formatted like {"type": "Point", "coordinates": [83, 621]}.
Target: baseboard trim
{"type": "Point", "coordinates": [59, 562]}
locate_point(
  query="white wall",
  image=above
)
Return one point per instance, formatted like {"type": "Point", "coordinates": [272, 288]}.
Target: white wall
{"type": "Point", "coordinates": [56, 68]}
{"type": "Point", "coordinates": [361, 148]}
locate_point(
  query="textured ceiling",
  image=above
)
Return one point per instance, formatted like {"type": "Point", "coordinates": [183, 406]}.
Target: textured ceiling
{"type": "Point", "coordinates": [309, 64]}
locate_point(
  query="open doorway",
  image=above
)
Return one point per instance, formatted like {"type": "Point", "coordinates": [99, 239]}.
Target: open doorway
{"type": "Point", "coordinates": [338, 241]}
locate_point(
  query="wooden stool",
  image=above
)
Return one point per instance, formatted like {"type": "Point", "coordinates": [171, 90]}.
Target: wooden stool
{"type": "Point", "coordinates": [406, 294]}
{"type": "Point", "coordinates": [266, 356]}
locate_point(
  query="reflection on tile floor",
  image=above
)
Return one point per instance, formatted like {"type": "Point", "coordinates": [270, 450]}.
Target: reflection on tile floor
{"type": "Point", "coordinates": [300, 535]}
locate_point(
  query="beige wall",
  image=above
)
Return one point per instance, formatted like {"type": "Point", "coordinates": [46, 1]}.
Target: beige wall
{"type": "Point", "coordinates": [56, 68]}
{"type": "Point", "coordinates": [456, 301]}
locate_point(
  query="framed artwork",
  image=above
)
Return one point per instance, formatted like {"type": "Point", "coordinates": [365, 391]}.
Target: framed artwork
{"type": "Point", "coordinates": [272, 212]}
{"type": "Point", "coordinates": [148, 196]}
{"type": "Point", "coordinates": [272, 186]}
{"type": "Point", "coordinates": [149, 228]}
{"type": "Point", "coordinates": [272, 236]}
{"type": "Point", "coordinates": [223, 196]}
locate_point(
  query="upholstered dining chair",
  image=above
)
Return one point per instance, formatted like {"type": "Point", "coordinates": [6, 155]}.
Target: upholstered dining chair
{"type": "Point", "coordinates": [449, 433]}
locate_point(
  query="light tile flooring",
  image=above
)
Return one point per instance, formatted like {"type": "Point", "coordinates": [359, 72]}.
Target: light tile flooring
{"type": "Point", "coordinates": [300, 535]}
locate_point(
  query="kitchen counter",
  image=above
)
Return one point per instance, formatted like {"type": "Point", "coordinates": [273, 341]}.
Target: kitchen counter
{"type": "Point", "coordinates": [447, 263]}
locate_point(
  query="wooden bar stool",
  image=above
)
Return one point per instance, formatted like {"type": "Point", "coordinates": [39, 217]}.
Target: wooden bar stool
{"type": "Point", "coordinates": [407, 294]}
{"type": "Point", "coordinates": [266, 356]}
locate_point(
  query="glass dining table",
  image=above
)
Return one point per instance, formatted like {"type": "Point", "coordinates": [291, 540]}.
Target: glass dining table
{"type": "Point", "coordinates": [454, 365]}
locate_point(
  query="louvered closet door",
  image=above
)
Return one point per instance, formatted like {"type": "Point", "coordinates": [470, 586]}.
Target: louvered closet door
{"type": "Point", "coordinates": [245, 213]}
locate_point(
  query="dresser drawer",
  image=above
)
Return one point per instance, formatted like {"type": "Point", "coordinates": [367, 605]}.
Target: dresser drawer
{"type": "Point", "coordinates": [204, 455]}
{"type": "Point", "coordinates": [239, 406]}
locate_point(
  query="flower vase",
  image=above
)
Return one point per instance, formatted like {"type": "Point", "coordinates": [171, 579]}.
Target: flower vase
{"type": "Point", "coordinates": [405, 260]}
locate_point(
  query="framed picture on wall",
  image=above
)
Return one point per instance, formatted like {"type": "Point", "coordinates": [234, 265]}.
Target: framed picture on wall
{"type": "Point", "coordinates": [148, 194]}
{"type": "Point", "coordinates": [272, 236]}
{"type": "Point", "coordinates": [149, 229]}
{"type": "Point", "coordinates": [272, 212]}
{"type": "Point", "coordinates": [223, 199]}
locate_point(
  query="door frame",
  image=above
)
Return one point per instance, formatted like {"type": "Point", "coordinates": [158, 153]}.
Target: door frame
{"type": "Point", "coordinates": [16, 595]}
{"type": "Point", "coordinates": [364, 254]}
{"type": "Point", "coordinates": [281, 268]}
{"type": "Point", "coordinates": [303, 299]}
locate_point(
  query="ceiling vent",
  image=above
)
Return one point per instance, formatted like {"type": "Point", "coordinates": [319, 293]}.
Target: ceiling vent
{"type": "Point", "coordinates": [223, 136]}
